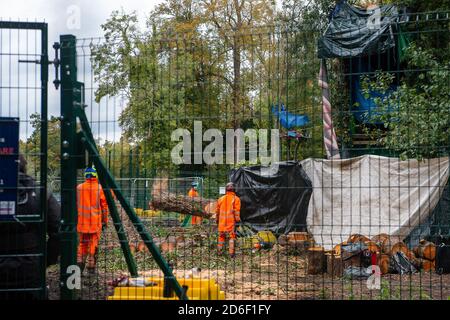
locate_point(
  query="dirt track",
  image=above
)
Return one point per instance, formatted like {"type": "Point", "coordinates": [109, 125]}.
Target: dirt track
{"type": "Point", "coordinates": [264, 275]}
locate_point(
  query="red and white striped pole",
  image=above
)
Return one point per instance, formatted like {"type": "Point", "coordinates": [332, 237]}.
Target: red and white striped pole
{"type": "Point", "coordinates": [329, 135]}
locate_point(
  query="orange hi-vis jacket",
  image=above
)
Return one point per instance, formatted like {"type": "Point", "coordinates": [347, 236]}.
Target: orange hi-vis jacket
{"type": "Point", "coordinates": [194, 220]}
{"type": "Point", "coordinates": [193, 193]}
{"type": "Point", "coordinates": [228, 212]}
{"type": "Point", "coordinates": [92, 207]}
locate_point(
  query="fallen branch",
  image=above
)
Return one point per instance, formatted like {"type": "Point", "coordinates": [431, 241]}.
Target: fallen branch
{"type": "Point", "coordinates": [167, 201]}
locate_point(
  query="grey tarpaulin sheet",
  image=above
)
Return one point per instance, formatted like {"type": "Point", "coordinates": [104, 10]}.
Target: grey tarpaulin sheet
{"type": "Point", "coordinates": [354, 32]}
{"type": "Point", "coordinates": [371, 195]}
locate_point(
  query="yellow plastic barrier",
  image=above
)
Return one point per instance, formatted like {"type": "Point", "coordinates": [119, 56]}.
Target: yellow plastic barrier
{"type": "Point", "coordinates": [248, 242]}
{"type": "Point", "coordinates": [151, 213]}
{"type": "Point", "coordinates": [198, 289]}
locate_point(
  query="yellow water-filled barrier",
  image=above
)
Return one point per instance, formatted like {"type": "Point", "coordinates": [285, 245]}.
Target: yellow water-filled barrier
{"type": "Point", "coordinates": [197, 289]}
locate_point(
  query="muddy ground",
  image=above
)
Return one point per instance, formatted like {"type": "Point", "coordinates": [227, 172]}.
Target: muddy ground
{"type": "Point", "coordinates": [263, 275]}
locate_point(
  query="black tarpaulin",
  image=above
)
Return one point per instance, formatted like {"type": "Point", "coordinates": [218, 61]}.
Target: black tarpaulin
{"type": "Point", "coordinates": [354, 32]}
{"type": "Point", "coordinates": [274, 199]}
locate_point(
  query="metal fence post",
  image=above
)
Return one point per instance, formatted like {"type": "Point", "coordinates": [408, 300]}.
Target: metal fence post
{"type": "Point", "coordinates": [68, 166]}
{"type": "Point", "coordinates": [44, 148]}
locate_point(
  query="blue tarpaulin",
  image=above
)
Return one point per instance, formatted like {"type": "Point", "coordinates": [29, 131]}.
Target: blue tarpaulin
{"type": "Point", "coordinates": [365, 110]}
{"type": "Point", "coordinates": [289, 120]}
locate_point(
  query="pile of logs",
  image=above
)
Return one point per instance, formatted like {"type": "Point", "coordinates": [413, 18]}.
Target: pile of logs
{"type": "Point", "coordinates": [426, 255]}
{"type": "Point", "coordinates": [384, 246]}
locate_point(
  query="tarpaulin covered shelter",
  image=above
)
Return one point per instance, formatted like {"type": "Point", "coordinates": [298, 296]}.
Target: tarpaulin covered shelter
{"type": "Point", "coordinates": [354, 32]}
{"type": "Point", "coordinates": [370, 195]}
{"type": "Point", "coordinates": [366, 41]}
{"type": "Point", "coordinates": [273, 198]}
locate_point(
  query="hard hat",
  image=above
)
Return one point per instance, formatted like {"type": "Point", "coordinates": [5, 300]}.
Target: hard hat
{"type": "Point", "coordinates": [194, 184]}
{"type": "Point", "coordinates": [229, 186]}
{"type": "Point", "coordinates": [90, 172]}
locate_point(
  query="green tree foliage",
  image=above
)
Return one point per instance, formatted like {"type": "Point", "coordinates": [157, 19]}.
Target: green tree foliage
{"type": "Point", "coordinates": [416, 115]}
{"type": "Point", "coordinates": [224, 63]}
{"type": "Point", "coordinates": [31, 148]}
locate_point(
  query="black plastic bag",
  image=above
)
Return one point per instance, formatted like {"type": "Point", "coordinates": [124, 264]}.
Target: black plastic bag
{"type": "Point", "coordinates": [275, 200]}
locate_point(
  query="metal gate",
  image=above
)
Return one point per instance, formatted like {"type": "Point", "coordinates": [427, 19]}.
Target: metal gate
{"type": "Point", "coordinates": [23, 97]}
{"type": "Point", "coordinates": [174, 80]}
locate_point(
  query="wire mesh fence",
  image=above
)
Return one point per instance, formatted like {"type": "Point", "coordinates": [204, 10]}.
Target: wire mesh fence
{"type": "Point", "coordinates": [143, 91]}
{"type": "Point", "coordinates": [23, 205]}
{"type": "Point", "coordinates": [339, 158]}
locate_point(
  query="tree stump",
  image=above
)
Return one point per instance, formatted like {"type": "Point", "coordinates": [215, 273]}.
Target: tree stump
{"type": "Point", "coordinates": [298, 236]}
{"type": "Point", "coordinates": [426, 265]}
{"type": "Point", "coordinates": [334, 265]}
{"type": "Point", "coordinates": [317, 263]}
{"type": "Point", "coordinates": [426, 250]}
{"type": "Point", "coordinates": [383, 263]}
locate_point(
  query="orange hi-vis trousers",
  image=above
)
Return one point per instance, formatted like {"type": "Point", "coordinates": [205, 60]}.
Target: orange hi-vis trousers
{"type": "Point", "coordinates": [231, 239]}
{"type": "Point", "coordinates": [87, 248]}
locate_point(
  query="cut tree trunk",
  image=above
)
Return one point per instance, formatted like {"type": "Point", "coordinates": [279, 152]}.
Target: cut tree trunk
{"type": "Point", "coordinates": [383, 263]}
{"type": "Point", "coordinates": [334, 265]}
{"type": "Point", "coordinates": [167, 201]}
{"type": "Point", "coordinates": [317, 262]}
{"type": "Point", "coordinates": [426, 250]}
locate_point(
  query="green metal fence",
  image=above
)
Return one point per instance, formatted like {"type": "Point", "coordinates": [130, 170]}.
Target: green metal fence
{"type": "Point", "coordinates": [23, 95]}
{"type": "Point", "coordinates": [140, 89]}
{"type": "Point", "coordinates": [124, 96]}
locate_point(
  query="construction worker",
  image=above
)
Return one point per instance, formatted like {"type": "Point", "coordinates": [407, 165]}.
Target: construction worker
{"type": "Point", "coordinates": [193, 193]}
{"type": "Point", "coordinates": [92, 218]}
{"type": "Point", "coordinates": [227, 215]}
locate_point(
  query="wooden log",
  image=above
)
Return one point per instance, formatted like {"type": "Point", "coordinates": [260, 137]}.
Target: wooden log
{"type": "Point", "coordinates": [316, 260]}
{"type": "Point", "coordinates": [338, 248]}
{"type": "Point", "coordinates": [383, 262]}
{"type": "Point", "coordinates": [426, 265]}
{"type": "Point", "coordinates": [334, 265]}
{"type": "Point", "coordinates": [298, 236]}
{"type": "Point", "coordinates": [167, 201]}
{"type": "Point", "coordinates": [388, 243]}
{"type": "Point", "coordinates": [372, 247]}
{"type": "Point", "coordinates": [426, 250]}
{"type": "Point", "coordinates": [380, 238]}
{"type": "Point", "coordinates": [402, 247]}
{"type": "Point", "coordinates": [357, 238]}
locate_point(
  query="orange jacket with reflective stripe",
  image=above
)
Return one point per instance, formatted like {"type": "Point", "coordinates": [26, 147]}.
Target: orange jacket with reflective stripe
{"type": "Point", "coordinates": [195, 219]}
{"type": "Point", "coordinates": [193, 193]}
{"type": "Point", "coordinates": [228, 212]}
{"type": "Point", "coordinates": [92, 207]}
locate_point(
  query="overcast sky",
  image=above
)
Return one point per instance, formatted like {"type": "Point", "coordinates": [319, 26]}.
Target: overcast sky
{"type": "Point", "coordinates": [59, 13]}
{"type": "Point", "coordinates": [82, 18]}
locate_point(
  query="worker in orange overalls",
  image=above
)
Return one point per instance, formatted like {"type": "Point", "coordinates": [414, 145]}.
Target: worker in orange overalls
{"type": "Point", "coordinates": [228, 213]}
{"type": "Point", "coordinates": [193, 194]}
{"type": "Point", "coordinates": [92, 218]}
